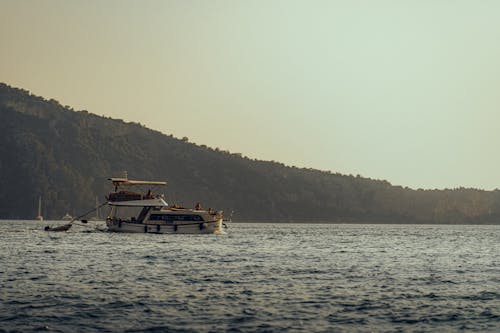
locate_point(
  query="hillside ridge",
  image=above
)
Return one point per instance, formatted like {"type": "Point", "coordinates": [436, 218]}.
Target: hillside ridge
{"type": "Point", "coordinates": [65, 156]}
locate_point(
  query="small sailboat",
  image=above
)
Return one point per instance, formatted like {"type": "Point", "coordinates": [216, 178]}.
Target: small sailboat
{"type": "Point", "coordinates": [39, 217]}
{"type": "Point", "coordinates": [67, 217]}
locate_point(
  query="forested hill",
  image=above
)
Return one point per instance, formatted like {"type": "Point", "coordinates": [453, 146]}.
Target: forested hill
{"type": "Point", "coordinates": [66, 157]}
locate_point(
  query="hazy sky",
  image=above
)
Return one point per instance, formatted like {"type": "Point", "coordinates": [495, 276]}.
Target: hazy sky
{"type": "Point", "coordinates": [407, 91]}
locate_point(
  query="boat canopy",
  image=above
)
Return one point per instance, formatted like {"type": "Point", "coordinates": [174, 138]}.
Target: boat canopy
{"type": "Point", "coordinates": [127, 182]}
{"type": "Point", "coordinates": [157, 202]}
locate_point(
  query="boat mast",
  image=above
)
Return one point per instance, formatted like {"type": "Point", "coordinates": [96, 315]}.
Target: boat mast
{"type": "Point", "coordinates": [97, 209]}
{"type": "Point", "coordinates": [39, 217]}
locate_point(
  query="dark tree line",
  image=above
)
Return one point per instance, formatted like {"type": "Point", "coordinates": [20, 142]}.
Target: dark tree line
{"type": "Point", "coordinates": [66, 156]}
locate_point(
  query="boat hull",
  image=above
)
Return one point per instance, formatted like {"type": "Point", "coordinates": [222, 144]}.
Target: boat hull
{"type": "Point", "coordinates": [202, 227]}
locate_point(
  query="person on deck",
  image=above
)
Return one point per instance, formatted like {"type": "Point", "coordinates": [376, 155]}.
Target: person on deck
{"type": "Point", "coordinates": [197, 206]}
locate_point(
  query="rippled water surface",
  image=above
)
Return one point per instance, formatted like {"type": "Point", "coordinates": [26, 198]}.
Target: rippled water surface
{"type": "Point", "coordinates": [255, 278]}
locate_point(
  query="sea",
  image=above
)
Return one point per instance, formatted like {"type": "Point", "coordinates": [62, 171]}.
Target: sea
{"type": "Point", "coordinates": [257, 277]}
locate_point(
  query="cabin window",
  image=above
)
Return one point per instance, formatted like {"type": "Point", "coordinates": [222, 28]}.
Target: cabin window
{"type": "Point", "coordinates": [174, 217]}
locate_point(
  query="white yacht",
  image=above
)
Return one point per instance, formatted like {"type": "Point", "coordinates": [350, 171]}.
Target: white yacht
{"type": "Point", "coordinates": [139, 212]}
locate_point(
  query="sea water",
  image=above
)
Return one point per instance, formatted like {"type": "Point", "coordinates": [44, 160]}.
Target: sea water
{"type": "Point", "coordinates": [255, 278]}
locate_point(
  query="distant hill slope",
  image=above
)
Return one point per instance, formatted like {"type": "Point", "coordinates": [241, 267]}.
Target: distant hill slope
{"type": "Point", "coordinates": [66, 156]}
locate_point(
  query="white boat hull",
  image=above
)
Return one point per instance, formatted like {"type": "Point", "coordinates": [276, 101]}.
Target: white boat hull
{"type": "Point", "coordinates": [202, 227]}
